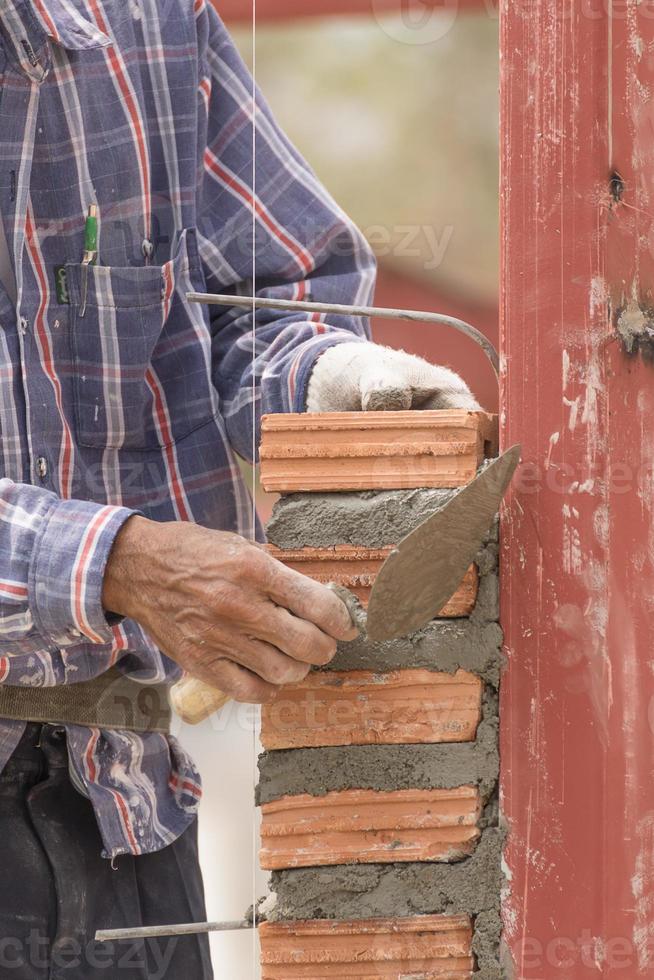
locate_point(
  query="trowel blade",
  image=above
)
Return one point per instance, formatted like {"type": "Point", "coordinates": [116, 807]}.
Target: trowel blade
{"type": "Point", "coordinates": [426, 568]}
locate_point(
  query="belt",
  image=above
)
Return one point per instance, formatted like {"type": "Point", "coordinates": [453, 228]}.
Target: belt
{"type": "Point", "coordinates": [111, 700]}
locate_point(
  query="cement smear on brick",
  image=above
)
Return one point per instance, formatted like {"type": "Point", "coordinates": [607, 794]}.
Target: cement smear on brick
{"type": "Point", "coordinates": [443, 645]}
{"type": "Point", "coordinates": [372, 519]}
{"type": "Point", "coordinates": [384, 767]}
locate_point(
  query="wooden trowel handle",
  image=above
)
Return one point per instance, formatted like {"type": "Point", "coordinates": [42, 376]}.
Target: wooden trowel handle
{"type": "Point", "coordinates": [194, 701]}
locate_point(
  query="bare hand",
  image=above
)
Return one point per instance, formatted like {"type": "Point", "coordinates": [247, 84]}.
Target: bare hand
{"type": "Point", "coordinates": [225, 610]}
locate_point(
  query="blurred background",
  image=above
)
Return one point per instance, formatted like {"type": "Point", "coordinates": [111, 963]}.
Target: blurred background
{"type": "Point", "coordinates": [394, 104]}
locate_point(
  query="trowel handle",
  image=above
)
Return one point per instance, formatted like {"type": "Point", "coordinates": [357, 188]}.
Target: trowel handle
{"type": "Point", "coordinates": [194, 700]}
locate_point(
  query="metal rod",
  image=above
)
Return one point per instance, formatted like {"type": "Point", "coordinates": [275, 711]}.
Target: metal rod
{"type": "Point", "coordinates": [155, 932]}
{"type": "Point", "coordinates": [415, 316]}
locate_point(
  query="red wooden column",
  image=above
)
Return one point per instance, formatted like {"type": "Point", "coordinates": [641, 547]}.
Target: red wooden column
{"type": "Point", "coordinates": [578, 531]}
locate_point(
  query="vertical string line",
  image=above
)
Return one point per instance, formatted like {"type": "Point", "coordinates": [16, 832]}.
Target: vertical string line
{"type": "Point", "coordinates": [610, 83]}
{"type": "Point", "coordinates": [254, 452]}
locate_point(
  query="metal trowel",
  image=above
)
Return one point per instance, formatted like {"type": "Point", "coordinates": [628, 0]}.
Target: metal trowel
{"type": "Point", "coordinates": [426, 568]}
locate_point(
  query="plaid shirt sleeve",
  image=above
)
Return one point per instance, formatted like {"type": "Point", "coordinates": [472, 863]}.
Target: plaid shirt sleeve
{"type": "Point", "coordinates": [301, 246]}
{"type": "Point", "coordinates": [52, 558]}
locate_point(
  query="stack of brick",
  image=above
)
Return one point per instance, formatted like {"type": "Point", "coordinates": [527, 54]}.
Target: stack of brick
{"type": "Point", "coordinates": [378, 786]}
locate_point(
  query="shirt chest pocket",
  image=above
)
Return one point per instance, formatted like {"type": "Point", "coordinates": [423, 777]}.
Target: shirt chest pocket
{"type": "Point", "coordinates": [141, 354]}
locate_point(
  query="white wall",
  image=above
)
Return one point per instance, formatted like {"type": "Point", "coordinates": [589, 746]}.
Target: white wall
{"type": "Point", "coordinates": [225, 750]}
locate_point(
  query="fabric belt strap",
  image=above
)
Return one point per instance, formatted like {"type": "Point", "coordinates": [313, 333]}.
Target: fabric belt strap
{"type": "Point", "coordinates": [111, 700]}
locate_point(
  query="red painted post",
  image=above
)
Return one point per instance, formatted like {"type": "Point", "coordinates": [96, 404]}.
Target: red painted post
{"type": "Point", "coordinates": [578, 534]}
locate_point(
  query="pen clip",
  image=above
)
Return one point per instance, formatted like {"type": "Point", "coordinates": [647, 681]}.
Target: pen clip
{"type": "Point", "coordinates": [84, 287]}
{"type": "Point", "coordinates": [90, 253]}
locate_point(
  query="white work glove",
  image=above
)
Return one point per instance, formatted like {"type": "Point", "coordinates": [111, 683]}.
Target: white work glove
{"type": "Point", "coordinates": [365, 376]}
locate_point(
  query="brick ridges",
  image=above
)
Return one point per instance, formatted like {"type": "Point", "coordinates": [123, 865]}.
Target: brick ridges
{"type": "Point", "coordinates": [362, 708]}
{"type": "Point", "coordinates": [363, 826]}
{"type": "Point", "coordinates": [356, 569]}
{"type": "Point", "coordinates": [430, 947]}
{"type": "Point", "coordinates": [374, 450]}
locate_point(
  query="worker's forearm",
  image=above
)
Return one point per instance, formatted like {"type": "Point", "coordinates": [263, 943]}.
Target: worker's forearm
{"type": "Point", "coordinates": [126, 574]}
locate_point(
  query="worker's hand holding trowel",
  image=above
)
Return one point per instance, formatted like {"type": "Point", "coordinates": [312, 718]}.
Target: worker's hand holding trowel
{"type": "Point", "coordinates": [225, 610]}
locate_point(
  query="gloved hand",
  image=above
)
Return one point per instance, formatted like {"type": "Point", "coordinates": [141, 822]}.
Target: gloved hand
{"type": "Point", "coordinates": [365, 376]}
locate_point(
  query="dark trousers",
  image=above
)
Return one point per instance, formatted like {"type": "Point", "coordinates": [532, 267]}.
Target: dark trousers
{"type": "Point", "coordinates": [56, 889]}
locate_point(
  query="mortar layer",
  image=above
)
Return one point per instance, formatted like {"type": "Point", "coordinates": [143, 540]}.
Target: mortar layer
{"type": "Point", "coordinates": [367, 891]}
{"type": "Point", "coordinates": [372, 519]}
{"type": "Point", "coordinates": [291, 772]}
{"type": "Point", "coordinates": [443, 645]}
{"type": "Point", "coordinates": [485, 945]}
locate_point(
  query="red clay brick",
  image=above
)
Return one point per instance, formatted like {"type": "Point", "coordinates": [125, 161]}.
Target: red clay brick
{"type": "Point", "coordinates": [362, 708]}
{"type": "Point", "coordinates": [429, 947]}
{"type": "Point", "coordinates": [362, 826]}
{"type": "Point", "coordinates": [374, 450]}
{"type": "Point", "coordinates": [356, 568]}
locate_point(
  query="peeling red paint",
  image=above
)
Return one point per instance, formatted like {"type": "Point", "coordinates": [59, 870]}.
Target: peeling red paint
{"type": "Point", "coordinates": [577, 533]}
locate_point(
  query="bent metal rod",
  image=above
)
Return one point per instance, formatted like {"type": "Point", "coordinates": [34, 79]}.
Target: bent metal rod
{"type": "Point", "coordinates": [156, 932]}
{"type": "Point", "coordinates": [415, 316]}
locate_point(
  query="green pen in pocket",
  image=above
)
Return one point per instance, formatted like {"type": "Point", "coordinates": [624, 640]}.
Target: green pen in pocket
{"type": "Point", "coordinates": [90, 252]}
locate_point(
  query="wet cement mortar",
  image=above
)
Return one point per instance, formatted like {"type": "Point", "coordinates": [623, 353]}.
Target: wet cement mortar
{"type": "Point", "coordinates": [376, 519]}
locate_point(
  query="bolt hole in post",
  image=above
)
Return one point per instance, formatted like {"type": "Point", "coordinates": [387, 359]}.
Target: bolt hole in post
{"type": "Point", "coordinates": [617, 186]}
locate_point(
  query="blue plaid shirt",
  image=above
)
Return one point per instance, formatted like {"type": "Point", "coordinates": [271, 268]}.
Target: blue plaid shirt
{"type": "Point", "coordinates": [133, 399]}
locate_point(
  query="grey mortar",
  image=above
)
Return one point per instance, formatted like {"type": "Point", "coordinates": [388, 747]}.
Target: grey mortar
{"type": "Point", "coordinates": [375, 519]}
{"type": "Point", "coordinates": [382, 767]}
{"type": "Point", "coordinates": [471, 886]}
{"type": "Point", "coordinates": [443, 645]}
{"type": "Point", "coordinates": [372, 519]}
{"type": "Point", "coordinates": [485, 945]}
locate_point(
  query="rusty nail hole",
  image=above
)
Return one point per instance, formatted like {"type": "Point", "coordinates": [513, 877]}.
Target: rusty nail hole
{"type": "Point", "coordinates": [617, 186]}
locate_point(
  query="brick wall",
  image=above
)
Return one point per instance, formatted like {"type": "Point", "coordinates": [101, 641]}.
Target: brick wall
{"type": "Point", "coordinates": [379, 780]}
